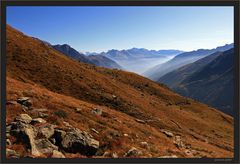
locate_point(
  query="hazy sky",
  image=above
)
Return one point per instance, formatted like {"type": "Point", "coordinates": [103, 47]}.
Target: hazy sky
{"type": "Point", "coordinates": [97, 29]}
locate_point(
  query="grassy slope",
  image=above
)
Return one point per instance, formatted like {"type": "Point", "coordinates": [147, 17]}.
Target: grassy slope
{"type": "Point", "coordinates": [34, 69]}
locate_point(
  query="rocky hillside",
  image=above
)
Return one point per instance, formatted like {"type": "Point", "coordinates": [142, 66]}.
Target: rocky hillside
{"type": "Point", "coordinates": [60, 108]}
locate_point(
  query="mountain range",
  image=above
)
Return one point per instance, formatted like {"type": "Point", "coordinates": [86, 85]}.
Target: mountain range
{"type": "Point", "coordinates": [139, 60]}
{"type": "Point", "coordinates": [97, 60]}
{"type": "Point", "coordinates": [58, 107]}
{"type": "Point", "coordinates": [180, 60]}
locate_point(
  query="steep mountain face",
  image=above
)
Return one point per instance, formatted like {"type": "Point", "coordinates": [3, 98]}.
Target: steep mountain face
{"type": "Point", "coordinates": [102, 61]}
{"type": "Point", "coordinates": [71, 52]}
{"type": "Point", "coordinates": [180, 60]}
{"type": "Point", "coordinates": [103, 113]}
{"type": "Point", "coordinates": [138, 60]}
{"type": "Point", "coordinates": [209, 80]}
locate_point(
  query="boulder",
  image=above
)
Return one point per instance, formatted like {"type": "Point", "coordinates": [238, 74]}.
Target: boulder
{"type": "Point", "coordinates": [25, 118]}
{"type": "Point", "coordinates": [12, 153]}
{"type": "Point", "coordinates": [133, 152]}
{"type": "Point", "coordinates": [46, 130]}
{"type": "Point", "coordinates": [26, 134]}
{"type": "Point", "coordinates": [44, 146]}
{"type": "Point", "coordinates": [57, 154]}
{"type": "Point", "coordinates": [76, 141]}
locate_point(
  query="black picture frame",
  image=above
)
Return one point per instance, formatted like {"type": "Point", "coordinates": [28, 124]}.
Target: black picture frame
{"type": "Point", "coordinates": [234, 3]}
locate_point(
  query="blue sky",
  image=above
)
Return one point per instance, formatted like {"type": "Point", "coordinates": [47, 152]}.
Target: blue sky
{"type": "Point", "coordinates": [97, 29]}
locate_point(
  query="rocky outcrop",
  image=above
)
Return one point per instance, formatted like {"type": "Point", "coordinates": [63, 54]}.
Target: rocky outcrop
{"type": "Point", "coordinates": [47, 140]}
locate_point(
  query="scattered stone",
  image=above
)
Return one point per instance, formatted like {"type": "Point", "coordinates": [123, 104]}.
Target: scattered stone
{"type": "Point", "coordinates": [114, 96]}
{"type": "Point", "coordinates": [42, 115]}
{"type": "Point", "coordinates": [125, 134]}
{"type": "Point", "coordinates": [8, 128]}
{"type": "Point", "coordinates": [114, 155]}
{"type": "Point", "coordinates": [78, 110]}
{"type": "Point", "coordinates": [97, 111]}
{"type": "Point", "coordinates": [178, 142]}
{"type": "Point", "coordinates": [8, 142]}
{"type": "Point", "coordinates": [25, 101]}
{"type": "Point", "coordinates": [11, 103]}
{"type": "Point", "coordinates": [12, 153]}
{"type": "Point", "coordinates": [66, 124]}
{"type": "Point", "coordinates": [106, 154]}
{"type": "Point", "coordinates": [140, 121]}
{"type": "Point", "coordinates": [94, 130]}
{"type": "Point", "coordinates": [25, 118]}
{"type": "Point", "coordinates": [57, 154]}
{"type": "Point", "coordinates": [76, 141]}
{"type": "Point", "coordinates": [144, 144]}
{"type": "Point", "coordinates": [133, 152]}
{"type": "Point", "coordinates": [38, 120]}
{"type": "Point", "coordinates": [168, 133]}
{"type": "Point", "coordinates": [22, 99]}
{"type": "Point", "coordinates": [168, 156]}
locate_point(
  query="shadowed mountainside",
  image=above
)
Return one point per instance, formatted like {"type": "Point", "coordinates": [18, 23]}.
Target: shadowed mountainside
{"type": "Point", "coordinates": [180, 60]}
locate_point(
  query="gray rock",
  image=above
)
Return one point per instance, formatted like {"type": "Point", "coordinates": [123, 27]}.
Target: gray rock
{"type": "Point", "coordinates": [57, 154]}
{"type": "Point", "coordinates": [97, 111]}
{"type": "Point", "coordinates": [25, 118]}
{"type": "Point", "coordinates": [12, 153]}
{"type": "Point", "coordinates": [38, 120]}
{"type": "Point", "coordinates": [178, 142]}
{"type": "Point", "coordinates": [144, 144]}
{"type": "Point", "coordinates": [140, 121]}
{"type": "Point", "coordinates": [114, 155]}
{"type": "Point", "coordinates": [11, 103]}
{"type": "Point", "coordinates": [42, 115]}
{"type": "Point", "coordinates": [133, 152]}
{"type": "Point", "coordinates": [94, 130]}
{"type": "Point", "coordinates": [46, 131]}
{"type": "Point", "coordinates": [44, 146]}
{"type": "Point", "coordinates": [78, 110]}
{"type": "Point", "coordinates": [8, 142]}
{"type": "Point", "coordinates": [168, 133]}
{"type": "Point", "coordinates": [76, 141]}
{"type": "Point", "coordinates": [168, 156]}
{"type": "Point", "coordinates": [25, 133]}
{"type": "Point", "coordinates": [26, 101]}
